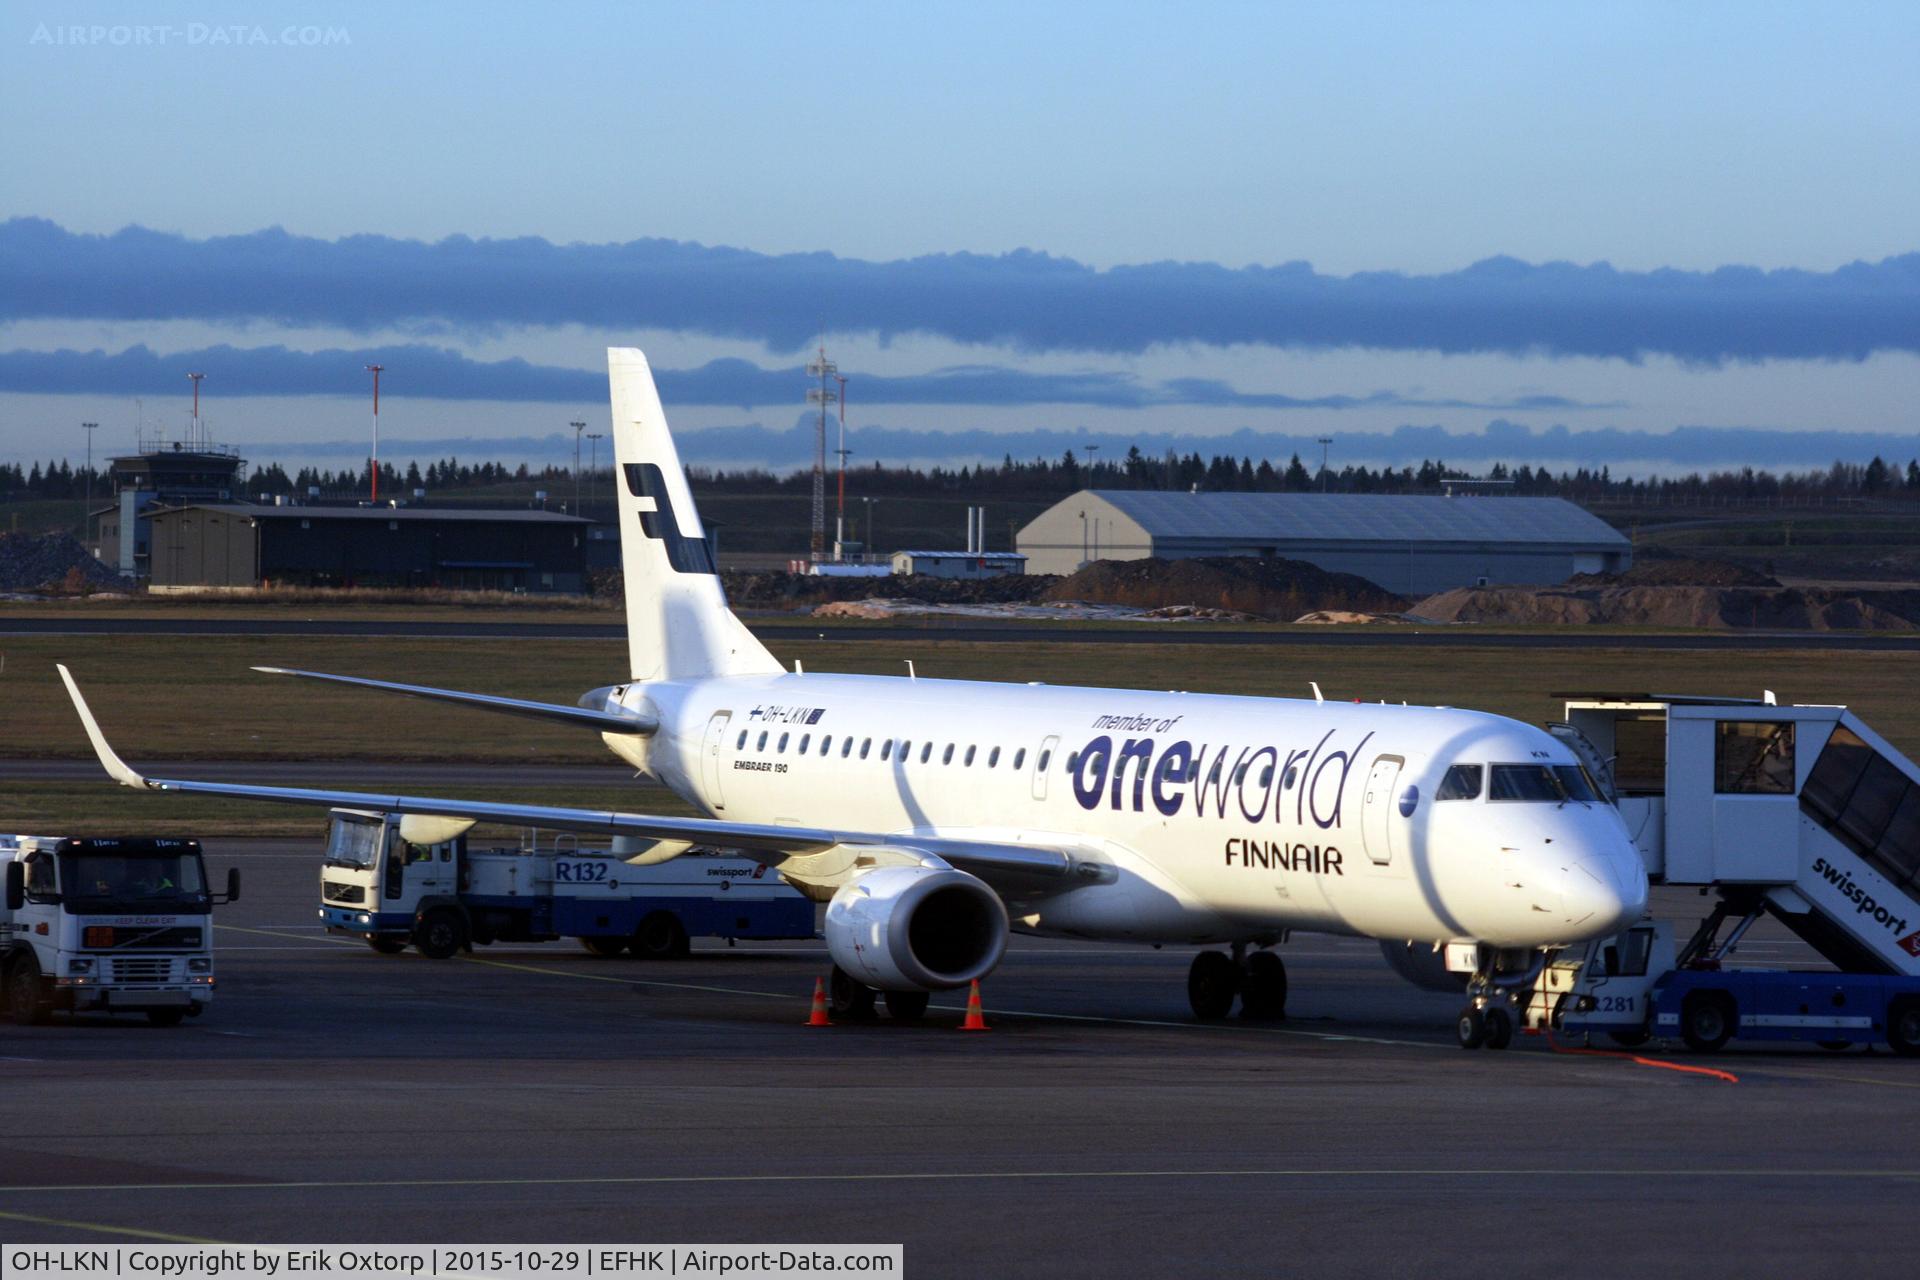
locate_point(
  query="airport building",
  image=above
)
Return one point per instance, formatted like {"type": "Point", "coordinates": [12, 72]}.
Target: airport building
{"type": "Point", "coordinates": [213, 545]}
{"type": "Point", "coordinates": [959, 564]}
{"type": "Point", "coordinates": [1410, 544]}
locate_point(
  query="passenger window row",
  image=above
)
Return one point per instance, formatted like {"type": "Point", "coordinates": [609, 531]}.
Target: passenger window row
{"type": "Point", "coordinates": [889, 749]}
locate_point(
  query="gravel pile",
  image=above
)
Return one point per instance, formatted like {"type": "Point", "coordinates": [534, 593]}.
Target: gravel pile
{"type": "Point", "coordinates": [50, 562]}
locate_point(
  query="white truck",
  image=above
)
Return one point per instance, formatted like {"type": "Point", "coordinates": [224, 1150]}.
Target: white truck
{"type": "Point", "coordinates": [444, 897]}
{"type": "Point", "coordinates": [114, 925]}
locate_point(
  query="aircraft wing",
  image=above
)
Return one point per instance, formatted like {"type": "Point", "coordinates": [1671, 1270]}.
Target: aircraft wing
{"type": "Point", "coordinates": [1008, 867]}
{"type": "Point", "coordinates": [604, 721]}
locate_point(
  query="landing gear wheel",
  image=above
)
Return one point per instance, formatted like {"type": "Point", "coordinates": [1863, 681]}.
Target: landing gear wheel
{"type": "Point", "coordinates": [847, 1000]}
{"type": "Point", "coordinates": [441, 934]}
{"type": "Point", "coordinates": [1499, 1024]}
{"type": "Point", "coordinates": [388, 946]}
{"type": "Point", "coordinates": [660, 936]}
{"type": "Point", "coordinates": [907, 1006]}
{"type": "Point", "coordinates": [1263, 991]}
{"type": "Point", "coordinates": [166, 1017]}
{"type": "Point", "coordinates": [1471, 1029]}
{"type": "Point", "coordinates": [605, 948]}
{"type": "Point", "coordinates": [27, 997]}
{"type": "Point", "coordinates": [1212, 983]}
{"type": "Point", "coordinates": [1706, 1020]}
{"type": "Point", "coordinates": [1903, 1027]}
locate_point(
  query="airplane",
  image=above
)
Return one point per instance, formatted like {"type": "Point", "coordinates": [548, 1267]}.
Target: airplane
{"type": "Point", "coordinates": [936, 817]}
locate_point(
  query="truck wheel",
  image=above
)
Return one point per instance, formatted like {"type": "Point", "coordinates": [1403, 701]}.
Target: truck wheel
{"type": "Point", "coordinates": [660, 936]}
{"type": "Point", "coordinates": [440, 934]}
{"type": "Point", "coordinates": [1707, 1020]}
{"type": "Point", "coordinates": [1903, 1027]}
{"type": "Point", "coordinates": [27, 996]}
{"type": "Point", "coordinates": [907, 1006]}
{"type": "Point", "coordinates": [605, 948]}
{"type": "Point", "coordinates": [388, 946]}
{"type": "Point", "coordinates": [1628, 1039]}
{"type": "Point", "coordinates": [166, 1017]}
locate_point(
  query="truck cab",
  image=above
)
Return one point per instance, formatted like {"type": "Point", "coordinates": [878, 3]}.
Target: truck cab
{"type": "Point", "coordinates": [107, 924]}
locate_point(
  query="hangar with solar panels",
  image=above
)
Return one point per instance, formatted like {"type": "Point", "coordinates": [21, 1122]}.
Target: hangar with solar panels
{"type": "Point", "coordinates": [1410, 544]}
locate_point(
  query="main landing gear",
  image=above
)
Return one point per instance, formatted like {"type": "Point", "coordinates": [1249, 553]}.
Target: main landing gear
{"type": "Point", "coordinates": [1500, 978]}
{"type": "Point", "coordinates": [1259, 981]}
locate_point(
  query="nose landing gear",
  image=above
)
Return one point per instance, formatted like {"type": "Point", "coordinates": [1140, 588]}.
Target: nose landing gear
{"type": "Point", "coordinates": [1499, 978]}
{"type": "Point", "coordinates": [1259, 981]}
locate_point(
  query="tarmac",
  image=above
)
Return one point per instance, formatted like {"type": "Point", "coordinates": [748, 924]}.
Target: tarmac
{"type": "Point", "coordinates": [532, 1093]}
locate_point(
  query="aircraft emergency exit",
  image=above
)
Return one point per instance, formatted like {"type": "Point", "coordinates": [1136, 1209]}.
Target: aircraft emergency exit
{"type": "Point", "coordinates": [934, 817]}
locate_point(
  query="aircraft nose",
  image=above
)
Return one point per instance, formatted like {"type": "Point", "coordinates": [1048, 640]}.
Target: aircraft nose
{"type": "Point", "coordinates": [1604, 892]}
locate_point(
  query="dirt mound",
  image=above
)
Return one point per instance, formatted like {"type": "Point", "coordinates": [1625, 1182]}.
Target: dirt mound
{"type": "Point", "coordinates": [1775, 608]}
{"type": "Point", "coordinates": [1657, 570]}
{"type": "Point", "coordinates": [1270, 588]}
{"type": "Point", "coordinates": [53, 562]}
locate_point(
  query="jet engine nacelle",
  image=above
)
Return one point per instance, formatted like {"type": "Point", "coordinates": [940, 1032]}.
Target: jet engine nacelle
{"type": "Point", "coordinates": [916, 928]}
{"type": "Point", "coordinates": [1422, 964]}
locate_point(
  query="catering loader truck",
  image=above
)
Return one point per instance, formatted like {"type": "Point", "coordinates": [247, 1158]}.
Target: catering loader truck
{"type": "Point", "coordinates": [113, 925]}
{"type": "Point", "coordinates": [442, 897]}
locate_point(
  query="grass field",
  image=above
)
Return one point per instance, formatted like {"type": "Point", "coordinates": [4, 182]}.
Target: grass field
{"type": "Point", "coordinates": [193, 697]}
{"type": "Point", "coordinates": [105, 809]}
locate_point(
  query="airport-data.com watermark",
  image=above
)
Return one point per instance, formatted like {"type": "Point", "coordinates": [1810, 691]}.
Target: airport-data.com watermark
{"type": "Point", "coordinates": [190, 35]}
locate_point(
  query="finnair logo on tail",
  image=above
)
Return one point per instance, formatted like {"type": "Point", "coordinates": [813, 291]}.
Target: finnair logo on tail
{"type": "Point", "coordinates": [646, 481]}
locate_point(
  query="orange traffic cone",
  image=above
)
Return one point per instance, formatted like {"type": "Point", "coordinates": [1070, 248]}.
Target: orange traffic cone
{"type": "Point", "coordinates": [975, 1021]}
{"type": "Point", "coordinates": [819, 1016]}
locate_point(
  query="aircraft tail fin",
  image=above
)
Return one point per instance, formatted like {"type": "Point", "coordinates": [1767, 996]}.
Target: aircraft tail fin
{"type": "Point", "coordinates": [678, 624]}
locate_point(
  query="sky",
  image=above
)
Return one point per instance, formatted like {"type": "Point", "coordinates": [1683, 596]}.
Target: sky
{"type": "Point", "coordinates": [1660, 236]}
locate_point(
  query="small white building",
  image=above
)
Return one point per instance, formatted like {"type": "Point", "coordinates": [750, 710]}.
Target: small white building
{"type": "Point", "coordinates": [959, 564]}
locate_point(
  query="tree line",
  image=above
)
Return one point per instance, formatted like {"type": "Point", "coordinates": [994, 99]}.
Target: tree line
{"type": "Point", "coordinates": [1045, 479]}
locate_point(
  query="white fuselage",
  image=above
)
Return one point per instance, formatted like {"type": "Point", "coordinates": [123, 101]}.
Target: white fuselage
{"type": "Point", "coordinates": [1221, 818]}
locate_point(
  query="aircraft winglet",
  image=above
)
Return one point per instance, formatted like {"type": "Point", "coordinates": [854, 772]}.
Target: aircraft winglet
{"type": "Point", "coordinates": [120, 770]}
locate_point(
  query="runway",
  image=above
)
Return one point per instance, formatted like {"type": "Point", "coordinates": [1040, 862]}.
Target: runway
{"type": "Point", "coordinates": [987, 633]}
{"type": "Point", "coordinates": [535, 1094]}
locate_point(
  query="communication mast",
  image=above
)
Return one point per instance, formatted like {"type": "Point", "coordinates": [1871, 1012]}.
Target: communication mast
{"type": "Point", "coordinates": [823, 369]}
{"type": "Point", "coordinates": [840, 507]}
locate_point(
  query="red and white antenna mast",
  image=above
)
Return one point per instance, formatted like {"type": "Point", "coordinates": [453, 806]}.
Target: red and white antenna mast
{"type": "Point", "coordinates": [373, 463]}
{"type": "Point", "coordinates": [840, 507]}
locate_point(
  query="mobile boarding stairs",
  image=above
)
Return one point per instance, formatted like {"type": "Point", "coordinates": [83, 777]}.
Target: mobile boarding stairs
{"type": "Point", "coordinates": [1802, 812]}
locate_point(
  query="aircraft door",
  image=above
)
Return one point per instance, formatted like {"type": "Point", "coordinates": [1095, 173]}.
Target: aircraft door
{"type": "Point", "coordinates": [1376, 809]}
{"type": "Point", "coordinates": [711, 753]}
{"type": "Point", "coordinates": [1041, 763]}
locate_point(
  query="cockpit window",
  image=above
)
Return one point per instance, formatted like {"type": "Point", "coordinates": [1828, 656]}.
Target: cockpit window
{"type": "Point", "coordinates": [1526, 782]}
{"type": "Point", "coordinates": [1579, 786]}
{"type": "Point", "coordinates": [1461, 783]}
{"type": "Point", "coordinates": [1541, 784]}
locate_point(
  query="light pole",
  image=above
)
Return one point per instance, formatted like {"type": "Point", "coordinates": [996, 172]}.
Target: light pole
{"type": "Point", "coordinates": [593, 467]}
{"type": "Point", "coordinates": [869, 502]}
{"type": "Point", "coordinates": [1326, 442]}
{"type": "Point", "coordinates": [578, 427]}
{"type": "Point", "coordinates": [1093, 464]}
{"type": "Point", "coordinates": [86, 516]}
{"type": "Point", "coordinates": [373, 467]}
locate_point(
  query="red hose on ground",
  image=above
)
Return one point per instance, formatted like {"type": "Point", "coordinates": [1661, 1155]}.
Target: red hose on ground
{"type": "Point", "coordinates": [1715, 1072]}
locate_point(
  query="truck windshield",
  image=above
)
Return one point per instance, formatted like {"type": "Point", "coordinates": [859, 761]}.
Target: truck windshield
{"type": "Point", "coordinates": [164, 880]}
{"type": "Point", "coordinates": [353, 844]}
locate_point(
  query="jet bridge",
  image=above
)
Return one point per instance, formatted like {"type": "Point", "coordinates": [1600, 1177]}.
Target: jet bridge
{"type": "Point", "coordinates": [1800, 811]}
